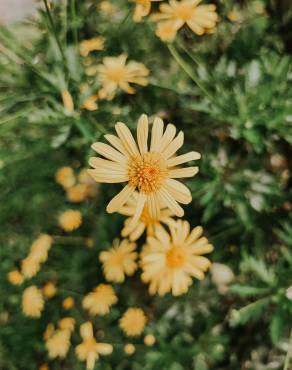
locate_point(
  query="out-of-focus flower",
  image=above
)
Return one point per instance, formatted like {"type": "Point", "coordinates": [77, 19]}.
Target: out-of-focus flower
{"type": "Point", "coordinates": [235, 15]}
{"type": "Point", "coordinates": [88, 242]}
{"type": "Point", "coordinates": [44, 367]}
{"type": "Point", "coordinates": [289, 293]}
{"type": "Point", "coordinates": [87, 46]}
{"type": "Point", "coordinates": [67, 101]}
{"type": "Point", "coordinates": [142, 9]}
{"type": "Point", "coordinates": [70, 220]}
{"type": "Point", "coordinates": [58, 344]}
{"type": "Point", "coordinates": [15, 277]}
{"type": "Point", "coordinates": [68, 303]}
{"type": "Point", "coordinates": [200, 18]}
{"type": "Point", "coordinates": [129, 349]}
{"type": "Point", "coordinates": [67, 323]}
{"type": "Point", "coordinates": [100, 300]}
{"type": "Point", "coordinates": [146, 221]}
{"type": "Point", "coordinates": [165, 31]}
{"type": "Point", "coordinates": [32, 301]}
{"type": "Point", "coordinates": [152, 171]}
{"type": "Point", "coordinates": [65, 177]}
{"type": "Point", "coordinates": [133, 321]}
{"type": "Point", "coordinates": [49, 290]}
{"type": "Point", "coordinates": [77, 193]}
{"type": "Point", "coordinates": [149, 340]}
{"type": "Point", "coordinates": [221, 275]}
{"type": "Point", "coordinates": [40, 248]}
{"type": "Point", "coordinates": [106, 7]}
{"type": "Point", "coordinates": [89, 350]}
{"type": "Point", "coordinates": [170, 261]}
{"type": "Point", "coordinates": [50, 329]}
{"type": "Point", "coordinates": [119, 261]}
{"type": "Point", "coordinates": [116, 74]}
{"type": "Point", "coordinates": [29, 267]}
{"type": "Point", "coordinates": [90, 103]}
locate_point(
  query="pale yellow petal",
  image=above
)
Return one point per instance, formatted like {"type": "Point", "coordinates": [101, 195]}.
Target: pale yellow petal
{"type": "Point", "coordinates": [108, 152]}
{"type": "Point", "coordinates": [191, 156]}
{"type": "Point", "coordinates": [142, 133]}
{"type": "Point", "coordinates": [183, 172]}
{"type": "Point", "coordinates": [109, 178]}
{"type": "Point", "coordinates": [170, 202]}
{"type": "Point", "coordinates": [174, 145]}
{"type": "Point", "coordinates": [156, 134]}
{"type": "Point", "coordinates": [179, 191]}
{"type": "Point", "coordinates": [120, 199]}
{"type": "Point", "coordinates": [127, 138]}
{"type": "Point", "coordinates": [117, 143]}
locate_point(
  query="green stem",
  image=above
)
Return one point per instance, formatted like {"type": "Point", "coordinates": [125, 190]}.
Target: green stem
{"type": "Point", "coordinates": [289, 353]}
{"type": "Point", "coordinates": [83, 130]}
{"type": "Point", "coordinates": [73, 22]}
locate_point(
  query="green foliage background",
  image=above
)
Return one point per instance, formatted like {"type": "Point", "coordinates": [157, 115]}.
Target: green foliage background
{"type": "Point", "coordinates": [242, 195]}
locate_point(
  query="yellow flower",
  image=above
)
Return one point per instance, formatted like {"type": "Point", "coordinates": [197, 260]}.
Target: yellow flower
{"type": "Point", "coordinates": [106, 7]}
{"type": "Point", "coordinates": [29, 267]}
{"type": "Point", "coordinates": [165, 31]}
{"type": "Point", "coordinates": [90, 103]}
{"type": "Point", "coordinates": [67, 323]}
{"type": "Point", "coordinates": [58, 343]}
{"type": "Point", "coordinates": [89, 350]}
{"type": "Point", "coordinates": [65, 177]}
{"type": "Point", "coordinates": [100, 300]}
{"type": "Point", "coordinates": [49, 290]}
{"type": "Point", "coordinates": [40, 248]}
{"type": "Point", "coordinates": [86, 46]}
{"type": "Point", "coordinates": [70, 220]}
{"type": "Point", "coordinates": [149, 340]}
{"type": "Point", "coordinates": [44, 367]}
{"type": "Point", "coordinates": [129, 349]}
{"type": "Point", "coordinates": [119, 261]}
{"type": "Point", "coordinates": [77, 193]}
{"type": "Point", "coordinates": [152, 171]}
{"type": "Point", "coordinates": [67, 101]}
{"type": "Point", "coordinates": [68, 303]}
{"type": "Point", "coordinates": [142, 9]}
{"type": "Point", "coordinates": [133, 321]}
{"type": "Point", "coordinates": [170, 261]}
{"type": "Point", "coordinates": [32, 301]}
{"type": "Point", "coordinates": [200, 18]}
{"type": "Point", "coordinates": [114, 73]}
{"type": "Point", "coordinates": [15, 277]}
{"type": "Point", "coordinates": [146, 221]}
{"type": "Point", "coordinates": [50, 329]}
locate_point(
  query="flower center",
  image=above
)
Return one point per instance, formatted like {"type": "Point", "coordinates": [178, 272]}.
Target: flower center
{"type": "Point", "coordinates": [147, 172]}
{"type": "Point", "coordinates": [116, 74]}
{"type": "Point", "coordinates": [183, 11]}
{"type": "Point", "coordinates": [175, 257]}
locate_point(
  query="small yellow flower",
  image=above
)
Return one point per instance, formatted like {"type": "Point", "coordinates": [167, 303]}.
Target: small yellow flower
{"type": "Point", "coordinates": [15, 277]}
{"type": "Point", "coordinates": [44, 367]}
{"type": "Point", "coordinates": [170, 261]}
{"type": "Point", "coordinates": [90, 103]}
{"type": "Point", "coordinates": [67, 101]}
{"type": "Point", "coordinates": [89, 350]}
{"type": "Point", "coordinates": [29, 267]}
{"type": "Point", "coordinates": [49, 290]}
{"type": "Point", "coordinates": [146, 221]}
{"type": "Point", "coordinates": [115, 73]}
{"type": "Point", "coordinates": [129, 349]}
{"type": "Point", "coordinates": [165, 31]}
{"type": "Point", "coordinates": [70, 220]}
{"type": "Point", "coordinates": [87, 46]}
{"type": "Point", "coordinates": [68, 303]}
{"type": "Point", "coordinates": [67, 323]}
{"type": "Point", "coordinates": [106, 7]}
{"type": "Point", "coordinates": [100, 300]}
{"type": "Point", "coordinates": [40, 248]}
{"type": "Point", "coordinates": [65, 177]}
{"type": "Point", "coordinates": [149, 340]}
{"type": "Point", "coordinates": [200, 18]}
{"type": "Point", "coordinates": [88, 243]}
{"type": "Point", "coordinates": [133, 321]}
{"type": "Point", "coordinates": [235, 15]}
{"type": "Point", "coordinates": [119, 261]}
{"type": "Point", "coordinates": [32, 301]}
{"type": "Point", "coordinates": [142, 9]}
{"type": "Point", "coordinates": [77, 193]}
{"type": "Point", "coordinates": [50, 329]}
{"type": "Point", "coordinates": [58, 344]}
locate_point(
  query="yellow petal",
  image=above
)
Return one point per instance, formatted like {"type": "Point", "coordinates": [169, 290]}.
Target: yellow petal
{"type": "Point", "coordinates": [142, 133]}
{"type": "Point", "coordinates": [120, 199]}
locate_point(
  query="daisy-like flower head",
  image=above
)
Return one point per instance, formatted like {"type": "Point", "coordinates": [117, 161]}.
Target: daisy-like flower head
{"type": "Point", "coordinates": [58, 343]}
{"type": "Point", "coordinates": [100, 300]}
{"type": "Point", "coordinates": [32, 301]}
{"type": "Point", "coordinates": [142, 9]}
{"type": "Point", "coordinates": [15, 277]}
{"type": "Point", "coordinates": [67, 323]}
{"type": "Point", "coordinates": [145, 222]}
{"type": "Point", "coordinates": [30, 267]}
{"type": "Point", "coordinates": [133, 321]}
{"type": "Point", "coordinates": [49, 290]}
{"type": "Point", "coordinates": [200, 18]}
{"type": "Point", "coordinates": [40, 248]}
{"type": "Point", "coordinates": [70, 220]}
{"type": "Point", "coordinates": [149, 170]}
{"type": "Point", "coordinates": [129, 349]}
{"type": "Point", "coordinates": [119, 261]}
{"type": "Point", "coordinates": [169, 261]}
{"type": "Point", "coordinates": [77, 193]}
{"type": "Point", "coordinates": [89, 350]}
{"type": "Point", "coordinates": [86, 46]}
{"type": "Point", "coordinates": [115, 73]}
{"type": "Point", "coordinates": [65, 177]}
{"type": "Point", "coordinates": [68, 303]}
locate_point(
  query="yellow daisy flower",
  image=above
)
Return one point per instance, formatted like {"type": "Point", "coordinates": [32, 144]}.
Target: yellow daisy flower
{"type": "Point", "coordinates": [40, 248]}
{"type": "Point", "coordinates": [90, 103]}
{"type": "Point", "coordinates": [15, 277]}
{"type": "Point", "coordinates": [49, 290]}
{"type": "Point", "coordinates": [170, 261]}
{"type": "Point", "coordinates": [32, 301]}
{"type": "Point", "coordinates": [133, 321]}
{"type": "Point", "coordinates": [68, 303]}
{"type": "Point", "coordinates": [165, 31]}
{"type": "Point", "coordinates": [70, 220]}
{"type": "Point", "coordinates": [87, 46]}
{"type": "Point", "coordinates": [30, 267]}
{"type": "Point", "coordinates": [142, 9]}
{"type": "Point", "coordinates": [65, 177]}
{"type": "Point", "coordinates": [77, 193]}
{"type": "Point", "coordinates": [150, 170]}
{"type": "Point", "coordinates": [89, 350]}
{"type": "Point", "coordinates": [200, 18]}
{"type": "Point", "coordinates": [115, 73]}
{"type": "Point", "coordinates": [106, 7]}
{"type": "Point", "coordinates": [146, 221]}
{"type": "Point", "coordinates": [58, 343]}
{"type": "Point", "coordinates": [100, 300]}
{"type": "Point", "coordinates": [129, 349]}
{"type": "Point", "coordinates": [119, 261]}
{"type": "Point", "coordinates": [149, 340]}
{"type": "Point", "coordinates": [67, 323]}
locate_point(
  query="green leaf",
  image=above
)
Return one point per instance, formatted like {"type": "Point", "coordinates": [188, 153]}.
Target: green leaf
{"type": "Point", "coordinates": [250, 312]}
{"type": "Point", "coordinates": [276, 328]}
{"type": "Point", "coordinates": [248, 290]}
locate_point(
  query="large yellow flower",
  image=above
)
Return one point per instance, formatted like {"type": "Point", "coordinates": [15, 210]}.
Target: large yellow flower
{"type": "Point", "coordinates": [170, 261]}
{"type": "Point", "coordinates": [89, 350]}
{"type": "Point", "coordinates": [115, 73]}
{"type": "Point", "coordinates": [200, 18]}
{"type": "Point", "coordinates": [32, 301]}
{"type": "Point", "coordinates": [119, 261]}
{"type": "Point", "coordinates": [142, 9]}
{"type": "Point", "coordinates": [133, 321]}
{"type": "Point", "coordinates": [100, 300]}
{"type": "Point", "coordinates": [150, 170]}
{"type": "Point", "coordinates": [146, 221]}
